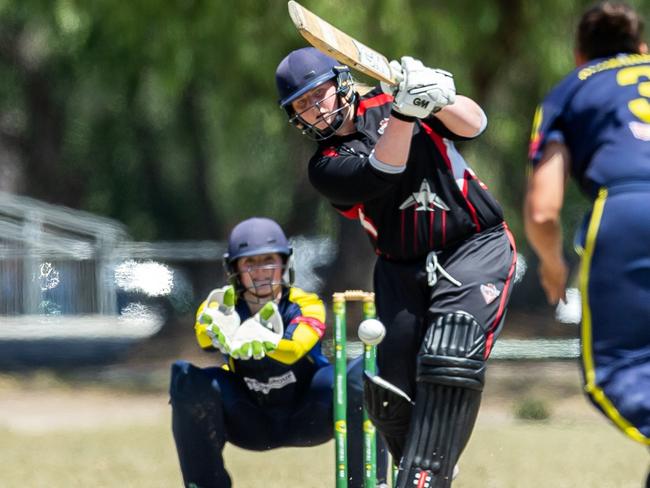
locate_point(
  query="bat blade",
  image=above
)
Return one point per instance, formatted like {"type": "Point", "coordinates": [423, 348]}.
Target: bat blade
{"type": "Point", "coordinates": [342, 47]}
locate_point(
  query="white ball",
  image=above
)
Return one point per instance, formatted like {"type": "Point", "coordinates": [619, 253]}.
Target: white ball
{"type": "Point", "coordinates": [371, 332]}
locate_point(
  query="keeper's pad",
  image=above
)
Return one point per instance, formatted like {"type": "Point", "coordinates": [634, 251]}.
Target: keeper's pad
{"type": "Point", "coordinates": [389, 409]}
{"type": "Point", "coordinates": [450, 377]}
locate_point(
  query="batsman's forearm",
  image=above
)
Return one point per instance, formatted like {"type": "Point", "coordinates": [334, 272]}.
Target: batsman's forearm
{"type": "Point", "coordinates": [464, 117]}
{"type": "Point", "coordinates": [394, 145]}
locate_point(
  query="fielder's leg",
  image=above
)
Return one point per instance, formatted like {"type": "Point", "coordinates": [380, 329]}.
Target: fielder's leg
{"type": "Point", "coordinates": [198, 425]}
{"type": "Point", "coordinates": [450, 377]}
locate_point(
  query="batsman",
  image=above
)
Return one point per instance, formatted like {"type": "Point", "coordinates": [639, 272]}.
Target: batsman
{"type": "Point", "coordinates": [276, 387]}
{"type": "Point", "coordinates": [445, 256]}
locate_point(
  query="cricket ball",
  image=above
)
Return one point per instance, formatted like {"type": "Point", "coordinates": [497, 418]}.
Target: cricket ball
{"type": "Point", "coordinates": [371, 332]}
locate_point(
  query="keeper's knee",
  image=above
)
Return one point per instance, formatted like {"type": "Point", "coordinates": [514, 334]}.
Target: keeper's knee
{"type": "Point", "coordinates": [189, 383]}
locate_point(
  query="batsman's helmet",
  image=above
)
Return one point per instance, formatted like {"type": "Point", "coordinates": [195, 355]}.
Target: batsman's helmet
{"type": "Point", "coordinates": [303, 70]}
{"type": "Point", "coordinates": [254, 236]}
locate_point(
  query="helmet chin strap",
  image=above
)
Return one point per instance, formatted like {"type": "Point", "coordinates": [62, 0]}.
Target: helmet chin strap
{"type": "Point", "coordinates": [256, 302]}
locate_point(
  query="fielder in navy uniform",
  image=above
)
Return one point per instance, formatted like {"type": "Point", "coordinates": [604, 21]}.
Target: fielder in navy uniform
{"type": "Point", "coordinates": [445, 257]}
{"type": "Point", "coordinates": [595, 126]}
{"type": "Point", "coordinates": [276, 388]}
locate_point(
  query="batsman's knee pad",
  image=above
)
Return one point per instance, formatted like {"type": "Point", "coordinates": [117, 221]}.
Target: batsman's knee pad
{"type": "Point", "coordinates": [389, 411]}
{"type": "Point", "coordinates": [450, 377]}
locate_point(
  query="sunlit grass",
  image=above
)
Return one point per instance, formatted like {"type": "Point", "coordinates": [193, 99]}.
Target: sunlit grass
{"type": "Point", "coordinates": [59, 432]}
{"type": "Point", "coordinates": [129, 456]}
{"type": "Point", "coordinates": [513, 455]}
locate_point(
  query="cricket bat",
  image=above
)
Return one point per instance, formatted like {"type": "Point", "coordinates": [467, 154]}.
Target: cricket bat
{"type": "Point", "coordinates": [342, 47]}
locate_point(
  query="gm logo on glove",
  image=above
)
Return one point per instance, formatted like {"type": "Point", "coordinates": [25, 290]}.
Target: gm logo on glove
{"type": "Point", "coordinates": [419, 102]}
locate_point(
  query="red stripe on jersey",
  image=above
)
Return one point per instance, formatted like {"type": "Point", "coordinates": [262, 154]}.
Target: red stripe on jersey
{"type": "Point", "coordinates": [442, 148]}
{"type": "Point", "coordinates": [472, 210]}
{"type": "Point", "coordinates": [367, 224]}
{"type": "Point", "coordinates": [357, 213]}
{"type": "Point", "coordinates": [316, 325]}
{"type": "Point", "coordinates": [330, 152]}
{"type": "Point", "coordinates": [443, 228]}
{"type": "Point", "coordinates": [477, 179]}
{"type": "Point", "coordinates": [504, 293]}
{"type": "Point", "coordinates": [352, 213]}
{"type": "Point", "coordinates": [415, 231]}
{"type": "Point", "coordinates": [437, 140]}
{"type": "Point", "coordinates": [375, 101]}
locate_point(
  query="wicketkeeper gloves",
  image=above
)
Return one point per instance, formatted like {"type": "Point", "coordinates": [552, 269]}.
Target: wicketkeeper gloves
{"type": "Point", "coordinates": [253, 338]}
{"type": "Point", "coordinates": [219, 317]}
{"type": "Point", "coordinates": [258, 335]}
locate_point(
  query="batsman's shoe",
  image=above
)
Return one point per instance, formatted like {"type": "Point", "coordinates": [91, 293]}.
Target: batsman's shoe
{"type": "Point", "coordinates": [220, 318]}
{"type": "Point", "coordinates": [258, 335]}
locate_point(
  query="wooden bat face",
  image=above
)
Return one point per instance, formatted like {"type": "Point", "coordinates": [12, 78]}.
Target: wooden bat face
{"type": "Point", "coordinates": [342, 47]}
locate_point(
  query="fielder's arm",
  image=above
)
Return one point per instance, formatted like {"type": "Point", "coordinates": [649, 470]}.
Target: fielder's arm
{"type": "Point", "coordinates": [542, 208]}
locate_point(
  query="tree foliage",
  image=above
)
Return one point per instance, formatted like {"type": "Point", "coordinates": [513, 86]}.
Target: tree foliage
{"type": "Point", "coordinates": [163, 114]}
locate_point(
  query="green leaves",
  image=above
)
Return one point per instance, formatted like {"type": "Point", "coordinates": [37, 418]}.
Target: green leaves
{"type": "Point", "coordinates": [163, 114]}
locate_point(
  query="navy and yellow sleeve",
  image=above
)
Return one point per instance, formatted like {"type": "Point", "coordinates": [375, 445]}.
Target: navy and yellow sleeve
{"type": "Point", "coordinates": [304, 329]}
{"type": "Point", "coordinates": [548, 121]}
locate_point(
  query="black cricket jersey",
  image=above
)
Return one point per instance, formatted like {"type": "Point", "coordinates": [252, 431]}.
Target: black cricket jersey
{"type": "Point", "coordinates": [435, 202]}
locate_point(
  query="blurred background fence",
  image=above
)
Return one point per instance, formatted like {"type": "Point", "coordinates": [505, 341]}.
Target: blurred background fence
{"type": "Point", "coordinates": [77, 289]}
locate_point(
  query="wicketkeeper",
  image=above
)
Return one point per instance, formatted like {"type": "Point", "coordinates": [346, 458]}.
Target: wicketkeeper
{"type": "Point", "coordinates": [445, 257]}
{"type": "Point", "coordinates": [276, 387]}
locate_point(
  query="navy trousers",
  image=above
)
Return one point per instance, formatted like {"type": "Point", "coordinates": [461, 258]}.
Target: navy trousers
{"type": "Point", "coordinates": [615, 288]}
{"type": "Point", "coordinates": [212, 406]}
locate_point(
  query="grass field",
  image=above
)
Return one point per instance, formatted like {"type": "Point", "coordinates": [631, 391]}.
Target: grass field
{"type": "Point", "coordinates": [58, 434]}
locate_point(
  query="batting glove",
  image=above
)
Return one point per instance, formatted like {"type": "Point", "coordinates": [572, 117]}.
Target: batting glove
{"type": "Point", "coordinates": [420, 91]}
{"type": "Point", "coordinates": [258, 335]}
{"type": "Point", "coordinates": [219, 317]}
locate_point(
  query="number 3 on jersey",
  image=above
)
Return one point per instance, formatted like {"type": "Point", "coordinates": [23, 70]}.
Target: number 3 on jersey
{"type": "Point", "coordinates": [640, 107]}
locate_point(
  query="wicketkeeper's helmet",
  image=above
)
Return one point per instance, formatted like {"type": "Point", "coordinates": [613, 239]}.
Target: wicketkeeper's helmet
{"type": "Point", "coordinates": [255, 236]}
{"type": "Point", "coordinates": [305, 69]}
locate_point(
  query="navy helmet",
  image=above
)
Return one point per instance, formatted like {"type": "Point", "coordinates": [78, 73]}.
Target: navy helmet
{"type": "Point", "coordinates": [303, 70]}
{"type": "Point", "coordinates": [255, 236]}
